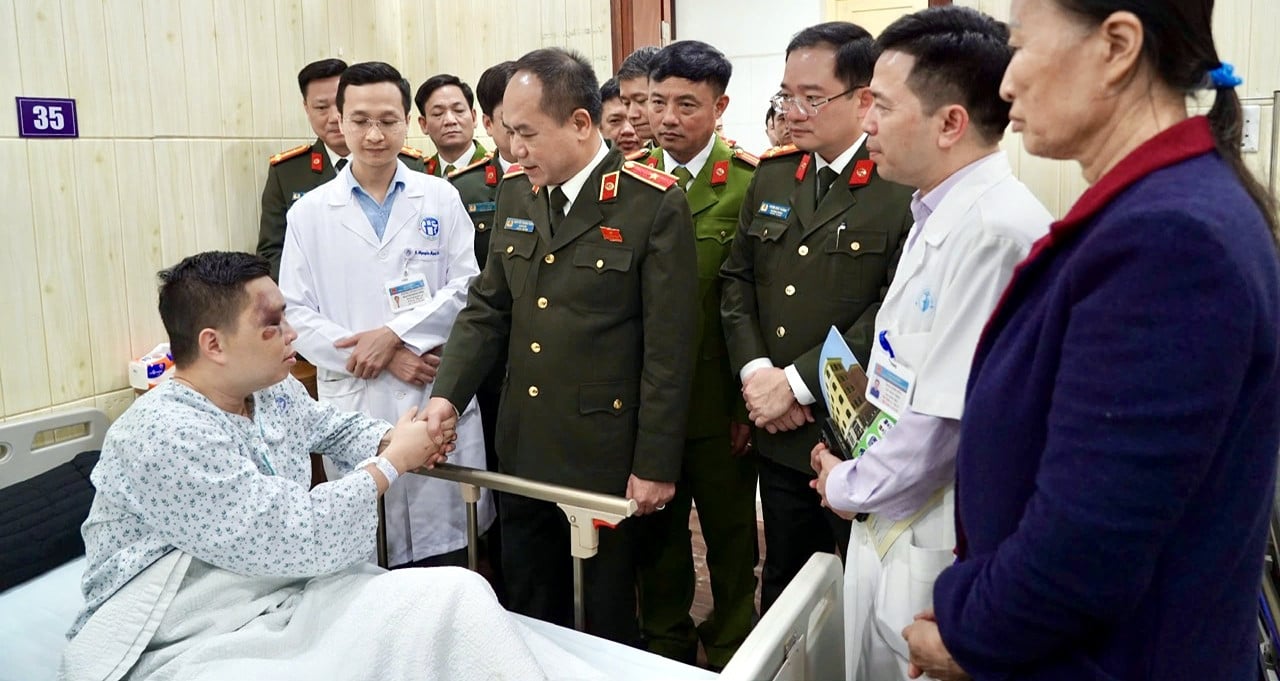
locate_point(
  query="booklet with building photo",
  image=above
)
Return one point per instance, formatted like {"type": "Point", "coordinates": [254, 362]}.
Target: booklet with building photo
{"type": "Point", "coordinates": [854, 423]}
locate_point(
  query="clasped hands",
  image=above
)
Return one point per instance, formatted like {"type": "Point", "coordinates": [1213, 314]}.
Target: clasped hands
{"type": "Point", "coordinates": [380, 349]}
{"type": "Point", "coordinates": [421, 438]}
{"type": "Point", "coordinates": [771, 404]}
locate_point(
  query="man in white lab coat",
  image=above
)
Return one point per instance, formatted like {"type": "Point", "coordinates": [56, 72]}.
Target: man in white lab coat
{"type": "Point", "coordinates": [375, 269]}
{"type": "Point", "coordinates": [935, 124]}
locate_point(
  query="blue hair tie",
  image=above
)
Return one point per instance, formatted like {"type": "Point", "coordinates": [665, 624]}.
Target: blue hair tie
{"type": "Point", "coordinates": [1225, 76]}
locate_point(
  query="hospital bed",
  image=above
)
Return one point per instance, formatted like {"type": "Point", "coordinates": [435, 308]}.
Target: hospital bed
{"type": "Point", "coordinates": [800, 638]}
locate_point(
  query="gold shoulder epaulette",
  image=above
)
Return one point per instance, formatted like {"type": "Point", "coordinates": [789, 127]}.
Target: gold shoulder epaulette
{"type": "Point", "coordinates": [488, 156]}
{"type": "Point", "coordinates": [413, 153]}
{"type": "Point", "coordinates": [651, 176]}
{"type": "Point", "coordinates": [776, 152]}
{"type": "Point", "coordinates": [746, 157]}
{"type": "Point", "coordinates": [514, 171]}
{"type": "Point", "coordinates": [637, 154]}
{"type": "Point", "coordinates": [290, 153]}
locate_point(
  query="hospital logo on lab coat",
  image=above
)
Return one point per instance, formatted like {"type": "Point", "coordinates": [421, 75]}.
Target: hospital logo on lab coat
{"type": "Point", "coordinates": [430, 228]}
{"type": "Point", "coordinates": [925, 301]}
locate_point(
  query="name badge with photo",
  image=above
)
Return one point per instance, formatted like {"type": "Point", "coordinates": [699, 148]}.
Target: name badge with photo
{"type": "Point", "coordinates": [406, 293]}
{"type": "Point", "coordinates": [889, 382]}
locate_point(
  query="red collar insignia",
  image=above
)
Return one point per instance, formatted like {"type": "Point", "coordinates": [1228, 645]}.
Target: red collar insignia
{"type": "Point", "coordinates": [861, 173]}
{"type": "Point", "coordinates": [609, 188]}
{"type": "Point", "coordinates": [491, 175]}
{"type": "Point", "coordinates": [719, 173]}
{"type": "Point", "coordinates": [804, 167]}
{"type": "Point", "coordinates": [317, 161]}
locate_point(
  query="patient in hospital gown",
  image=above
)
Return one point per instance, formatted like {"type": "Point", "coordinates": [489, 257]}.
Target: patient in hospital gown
{"type": "Point", "coordinates": [209, 557]}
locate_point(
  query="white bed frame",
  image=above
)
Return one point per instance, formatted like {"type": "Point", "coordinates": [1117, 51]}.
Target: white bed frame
{"type": "Point", "coordinates": [801, 637]}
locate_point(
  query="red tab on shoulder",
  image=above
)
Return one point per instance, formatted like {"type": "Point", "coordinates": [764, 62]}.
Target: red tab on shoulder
{"type": "Point", "coordinates": [861, 173]}
{"type": "Point", "coordinates": [513, 170]}
{"type": "Point", "coordinates": [803, 168]}
{"type": "Point", "coordinates": [651, 176]}
{"type": "Point", "coordinates": [719, 173]}
{"type": "Point", "coordinates": [609, 186]}
{"type": "Point", "coordinates": [317, 162]}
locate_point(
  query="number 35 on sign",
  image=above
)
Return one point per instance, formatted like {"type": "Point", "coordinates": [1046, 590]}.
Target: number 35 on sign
{"type": "Point", "coordinates": [46, 117]}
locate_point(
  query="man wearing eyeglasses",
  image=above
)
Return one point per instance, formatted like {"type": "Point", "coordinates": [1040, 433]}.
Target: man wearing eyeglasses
{"type": "Point", "coordinates": [375, 269]}
{"type": "Point", "coordinates": [819, 236]}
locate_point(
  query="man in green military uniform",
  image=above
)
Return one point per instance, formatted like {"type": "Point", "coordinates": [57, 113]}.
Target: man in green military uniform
{"type": "Point", "coordinates": [296, 171]}
{"type": "Point", "coordinates": [590, 290]}
{"type": "Point", "coordinates": [447, 109]}
{"type": "Point", "coordinates": [687, 82]}
{"type": "Point", "coordinates": [818, 239]}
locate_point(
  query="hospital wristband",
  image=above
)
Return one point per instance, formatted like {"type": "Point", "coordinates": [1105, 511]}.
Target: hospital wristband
{"type": "Point", "coordinates": [388, 470]}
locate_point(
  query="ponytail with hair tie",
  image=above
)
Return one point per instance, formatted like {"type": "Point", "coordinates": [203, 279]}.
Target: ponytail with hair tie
{"type": "Point", "coordinates": [1224, 76]}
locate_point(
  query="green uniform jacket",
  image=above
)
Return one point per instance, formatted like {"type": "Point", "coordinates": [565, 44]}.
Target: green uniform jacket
{"type": "Point", "coordinates": [294, 173]}
{"type": "Point", "coordinates": [796, 270]}
{"type": "Point", "coordinates": [478, 186]}
{"type": "Point", "coordinates": [435, 166]}
{"type": "Point", "coordinates": [599, 320]}
{"type": "Point", "coordinates": [715, 202]}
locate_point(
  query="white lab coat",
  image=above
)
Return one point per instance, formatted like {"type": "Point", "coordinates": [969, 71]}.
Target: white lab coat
{"type": "Point", "coordinates": [332, 273]}
{"type": "Point", "coordinates": [946, 286]}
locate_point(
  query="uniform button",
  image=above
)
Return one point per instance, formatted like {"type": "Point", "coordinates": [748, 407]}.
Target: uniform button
{"type": "Point", "coordinates": [599, 264]}
{"type": "Point", "coordinates": [382, 256]}
{"type": "Point", "coordinates": [535, 347]}
{"type": "Point", "coordinates": [723, 234]}
{"type": "Point", "coordinates": [765, 232]}
{"type": "Point", "coordinates": [480, 227]}
{"type": "Point", "coordinates": [533, 391]}
{"type": "Point", "coordinates": [549, 259]}
{"type": "Point", "coordinates": [803, 250]}
{"type": "Point", "coordinates": [782, 331]}
{"type": "Point", "coordinates": [790, 290]}
{"type": "Point", "coordinates": [617, 404]}
{"type": "Point", "coordinates": [855, 246]}
{"type": "Point", "coordinates": [399, 394]}
{"type": "Point", "coordinates": [511, 249]}
{"type": "Point", "coordinates": [542, 303]}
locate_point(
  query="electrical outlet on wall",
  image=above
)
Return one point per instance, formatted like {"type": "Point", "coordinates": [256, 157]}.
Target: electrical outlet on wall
{"type": "Point", "coordinates": [1251, 126]}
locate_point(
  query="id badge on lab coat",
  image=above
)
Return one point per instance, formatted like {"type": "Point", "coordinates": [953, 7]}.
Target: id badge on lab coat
{"type": "Point", "coordinates": [406, 293]}
{"type": "Point", "coordinates": [889, 382]}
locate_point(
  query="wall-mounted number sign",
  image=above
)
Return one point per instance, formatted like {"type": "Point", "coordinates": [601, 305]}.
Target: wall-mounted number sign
{"type": "Point", "coordinates": [46, 117]}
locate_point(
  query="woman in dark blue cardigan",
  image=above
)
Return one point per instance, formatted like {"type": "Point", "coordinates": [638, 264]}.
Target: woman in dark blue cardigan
{"type": "Point", "coordinates": [1122, 424]}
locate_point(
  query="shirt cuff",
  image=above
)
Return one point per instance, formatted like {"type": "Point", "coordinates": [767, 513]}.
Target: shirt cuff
{"type": "Point", "coordinates": [798, 388]}
{"type": "Point", "coordinates": [753, 366]}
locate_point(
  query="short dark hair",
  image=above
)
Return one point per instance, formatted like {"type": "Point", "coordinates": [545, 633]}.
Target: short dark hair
{"type": "Point", "coordinates": [856, 50]}
{"type": "Point", "coordinates": [568, 82]}
{"type": "Point", "coordinates": [205, 291]}
{"type": "Point", "coordinates": [610, 90]}
{"type": "Point", "coordinates": [694, 61]}
{"type": "Point", "coordinates": [768, 115]}
{"type": "Point", "coordinates": [370, 72]}
{"type": "Point", "coordinates": [435, 83]}
{"type": "Point", "coordinates": [961, 55]}
{"type": "Point", "coordinates": [319, 70]}
{"type": "Point", "coordinates": [636, 65]}
{"type": "Point", "coordinates": [491, 86]}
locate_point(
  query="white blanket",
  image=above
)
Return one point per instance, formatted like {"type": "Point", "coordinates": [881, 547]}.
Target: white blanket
{"type": "Point", "coordinates": [184, 619]}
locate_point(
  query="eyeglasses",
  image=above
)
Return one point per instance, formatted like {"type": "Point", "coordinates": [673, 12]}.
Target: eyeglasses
{"type": "Point", "coordinates": [808, 106]}
{"type": "Point", "coordinates": [363, 125]}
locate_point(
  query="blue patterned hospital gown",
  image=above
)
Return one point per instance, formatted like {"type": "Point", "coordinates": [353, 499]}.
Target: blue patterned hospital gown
{"type": "Point", "coordinates": [178, 472]}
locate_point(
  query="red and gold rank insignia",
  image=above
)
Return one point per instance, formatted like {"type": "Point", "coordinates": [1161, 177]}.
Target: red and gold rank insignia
{"type": "Point", "coordinates": [609, 187]}
{"type": "Point", "coordinates": [431, 166]}
{"type": "Point", "coordinates": [513, 170]}
{"type": "Point", "coordinates": [611, 234]}
{"type": "Point", "coordinates": [317, 161]}
{"type": "Point", "coordinates": [719, 173]}
{"type": "Point", "coordinates": [491, 176]}
{"type": "Point", "coordinates": [289, 153]}
{"type": "Point", "coordinates": [861, 173]}
{"type": "Point", "coordinates": [804, 167]}
{"type": "Point", "coordinates": [651, 176]}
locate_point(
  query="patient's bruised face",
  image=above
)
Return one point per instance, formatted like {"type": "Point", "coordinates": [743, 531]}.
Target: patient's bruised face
{"type": "Point", "coordinates": [259, 351]}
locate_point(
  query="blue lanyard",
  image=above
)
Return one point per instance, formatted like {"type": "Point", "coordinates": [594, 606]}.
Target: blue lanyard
{"type": "Point", "coordinates": [884, 343]}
